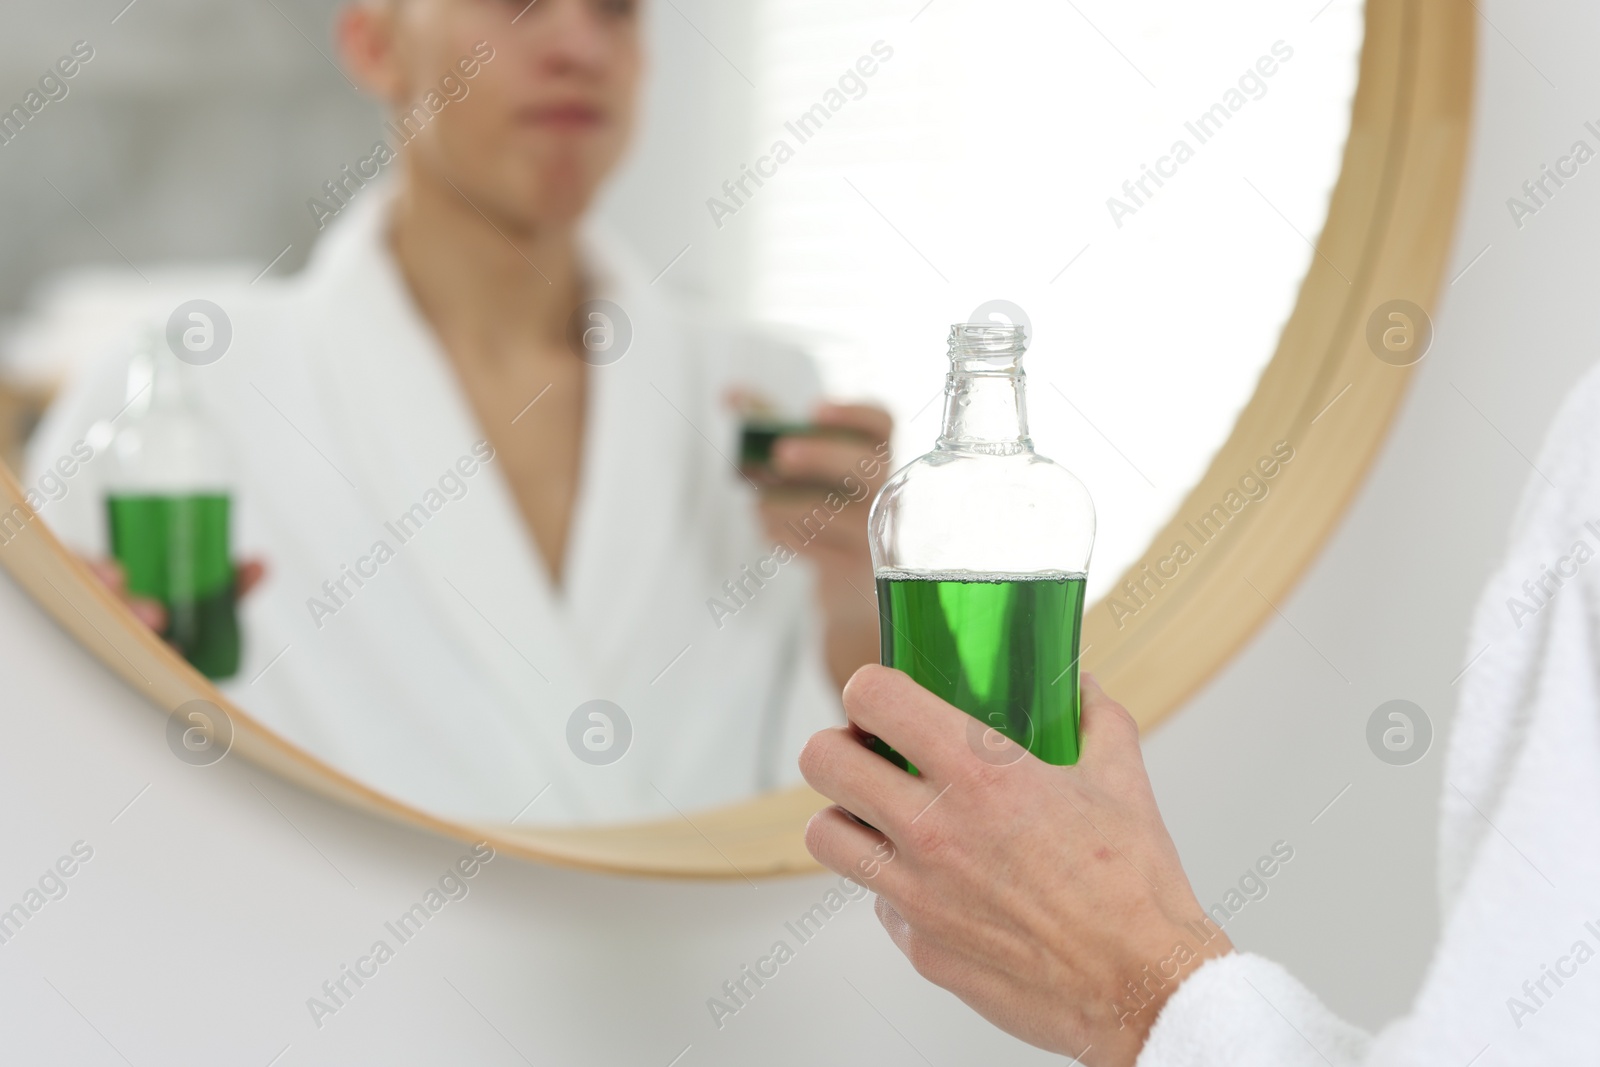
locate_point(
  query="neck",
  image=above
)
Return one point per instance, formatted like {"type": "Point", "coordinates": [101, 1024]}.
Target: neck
{"type": "Point", "coordinates": [487, 283]}
{"type": "Point", "coordinates": [984, 409]}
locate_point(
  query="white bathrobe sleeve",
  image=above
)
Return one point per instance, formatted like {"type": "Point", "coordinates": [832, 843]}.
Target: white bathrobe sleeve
{"type": "Point", "coordinates": [1243, 1010]}
{"type": "Point", "coordinates": [1516, 976]}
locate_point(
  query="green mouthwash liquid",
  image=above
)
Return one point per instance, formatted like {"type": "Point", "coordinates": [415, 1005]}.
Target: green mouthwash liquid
{"type": "Point", "coordinates": [174, 549]}
{"type": "Point", "coordinates": [1001, 647]}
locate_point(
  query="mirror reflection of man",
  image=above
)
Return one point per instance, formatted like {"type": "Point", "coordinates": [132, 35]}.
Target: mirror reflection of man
{"type": "Point", "coordinates": [433, 334]}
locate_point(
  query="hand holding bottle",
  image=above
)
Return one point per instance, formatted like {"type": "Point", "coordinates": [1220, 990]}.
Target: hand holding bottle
{"type": "Point", "coordinates": [169, 508]}
{"type": "Point", "coordinates": [247, 574]}
{"type": "Point", "coordinates": [1049, 899]}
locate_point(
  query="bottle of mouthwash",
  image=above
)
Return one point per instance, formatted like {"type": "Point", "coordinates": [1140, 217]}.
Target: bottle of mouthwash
{"type": "Point", "coordinates": [167, 506]}
{"type": "Point", "coordinates": [981, 549]}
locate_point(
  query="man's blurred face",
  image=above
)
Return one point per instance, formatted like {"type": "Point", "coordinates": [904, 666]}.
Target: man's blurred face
{"type": "Point", "coordinates": [530, 136]}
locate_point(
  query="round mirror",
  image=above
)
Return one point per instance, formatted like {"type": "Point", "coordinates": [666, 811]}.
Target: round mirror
{"type": "Point", "coordinates": [446, 344]}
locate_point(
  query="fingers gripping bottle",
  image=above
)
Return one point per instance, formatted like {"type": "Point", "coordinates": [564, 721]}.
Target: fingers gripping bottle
{"type": "Point", "coordinates": [167, 507]}
{"type": "Point", "coordinates": [981, 549]}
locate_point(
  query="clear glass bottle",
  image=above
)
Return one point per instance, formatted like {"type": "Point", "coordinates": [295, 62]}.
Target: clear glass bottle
{"type": "Point", "coordinates": [981, 549]}
{"type": "Point", "coordinates": [168, 504]}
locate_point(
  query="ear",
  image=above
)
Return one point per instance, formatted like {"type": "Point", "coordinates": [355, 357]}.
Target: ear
{"type": "Point", "coordinates": [366, 33]}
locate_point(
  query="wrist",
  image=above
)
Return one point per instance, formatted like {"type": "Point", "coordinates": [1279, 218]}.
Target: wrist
{"type": "Point", "coordinates": [1148, 985]}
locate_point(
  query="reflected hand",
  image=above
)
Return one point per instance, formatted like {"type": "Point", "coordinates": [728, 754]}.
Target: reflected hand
{"type": "Point", "coordinates": [1035, 893]}
{"type": "Point", "coordinates": [247, 575]}
{"type": "Point", "coordinates": [818, 506]}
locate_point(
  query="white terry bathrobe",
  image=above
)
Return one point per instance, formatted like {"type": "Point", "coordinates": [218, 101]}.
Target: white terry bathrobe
{"type": "Point", "coordinates": [448, 676]}
{"type": "Point", "coordinates": [1516, 977]}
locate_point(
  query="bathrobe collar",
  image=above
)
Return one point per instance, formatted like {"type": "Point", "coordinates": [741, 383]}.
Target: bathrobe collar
{"type": "Point", "coordinates": [404, 420]}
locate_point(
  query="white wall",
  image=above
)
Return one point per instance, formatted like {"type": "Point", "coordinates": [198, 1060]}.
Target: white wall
{"type": "Point", "coordinates": [187, 112]}
{"type": "Point", "coordinates": [206, 918]}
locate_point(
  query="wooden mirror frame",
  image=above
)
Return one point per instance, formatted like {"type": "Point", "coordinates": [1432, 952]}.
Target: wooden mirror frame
{"type": "Point", "coordinates": [1388, 234]}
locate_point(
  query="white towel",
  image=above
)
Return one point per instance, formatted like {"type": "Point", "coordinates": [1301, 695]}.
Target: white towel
{"type": "Point", "coordinates": [1516, 978]}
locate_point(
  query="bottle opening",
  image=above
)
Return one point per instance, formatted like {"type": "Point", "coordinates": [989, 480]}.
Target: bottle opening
{"type": "Point", "coordinates": [986, 346]}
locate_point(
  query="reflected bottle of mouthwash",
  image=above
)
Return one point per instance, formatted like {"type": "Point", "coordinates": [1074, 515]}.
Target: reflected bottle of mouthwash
{"type": "Point", "coordinates": [167, 508]}
{"type": "Point", "coordinates": [981, 549]}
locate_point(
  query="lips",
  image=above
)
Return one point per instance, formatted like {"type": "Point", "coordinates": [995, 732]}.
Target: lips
{"type": "Point", "coordinates": [562, 116]}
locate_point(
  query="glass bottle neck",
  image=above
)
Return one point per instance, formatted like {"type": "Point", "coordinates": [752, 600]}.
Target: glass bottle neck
{"type": "Point", "coordinates": [167, 386]}
{"type": "Point", "coordinates": [985, 411]}
{"type": "Point", "coordinates": [984, 406]}
{"type": "Point", "coordinates": [163, 376]}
